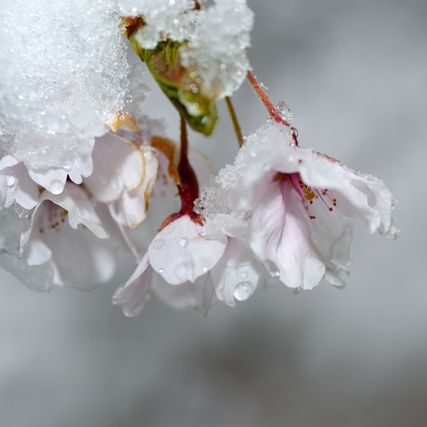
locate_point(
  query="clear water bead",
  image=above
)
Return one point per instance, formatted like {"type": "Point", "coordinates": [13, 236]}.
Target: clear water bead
{"type": "Point", "coordinates": [56, 187]}
{"type": "Point", "coordinates": [243, 291]}
{"type": "Point", "coordinates": [285, 112]}
{"type": "Point", "coordinates": [183, 242]}
{"type": "Point", "coordinates": [10, 181]}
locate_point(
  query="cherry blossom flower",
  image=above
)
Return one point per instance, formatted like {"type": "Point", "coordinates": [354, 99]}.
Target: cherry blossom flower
{"type": "Point", "coordinates": [66, 237]}
{"type": "Point", "coordinates": [300, 205]}
{"type": "Point", "coordinates": [84, 174]}
{"type": "Point", "coordinates": [62, 83]}
{"type": "Point", "coordinates": [181, 253]}
{"type": "Point", "coordinates": [123, 177]}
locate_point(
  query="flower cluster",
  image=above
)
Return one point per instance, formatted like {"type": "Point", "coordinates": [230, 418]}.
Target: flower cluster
{"type": "Point", "coordinates": [88, 182]}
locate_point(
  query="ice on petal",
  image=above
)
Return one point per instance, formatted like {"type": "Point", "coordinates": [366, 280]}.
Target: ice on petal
{"type": "Point", "coordinates": [64, 77]}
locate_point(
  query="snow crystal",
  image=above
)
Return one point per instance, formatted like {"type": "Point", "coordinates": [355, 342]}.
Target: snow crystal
{"type": "Point", "coordinates": [216, 37]}
{"type": "Point", "coordinates": [217, 47]}
{"type": "Point", "coordinates": [165, 19]}
{"type": "Point", "coordinates": [223, 194]}
{"type": "Point", "coordinates": [64, 77]}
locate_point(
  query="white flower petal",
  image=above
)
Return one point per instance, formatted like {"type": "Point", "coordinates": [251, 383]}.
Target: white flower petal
{"type": "Point", "coordinates": [235, 275]}
{"type": "Point", "coordinates": [52, 179]}
{"type": "Point", "coordinates": [80, 210]}
{"type": "Point", "coordinates": [132, 296]}
{"type": "Point", "coordinates": [118, 165]}
{"type": "Point", "coordinates": [199, 295]}
{"type": "Point", "coordinates": [181, 252]}
{"type": "Point", "coordinates": [279, 235]}
{"type": "Point", "coordinates": [16, 184]}
{"type": "Point", "coordinates": [37, 253]}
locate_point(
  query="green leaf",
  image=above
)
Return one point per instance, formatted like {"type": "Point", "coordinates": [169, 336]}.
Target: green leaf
{"type": "Point", "coordinates": [180, 85]}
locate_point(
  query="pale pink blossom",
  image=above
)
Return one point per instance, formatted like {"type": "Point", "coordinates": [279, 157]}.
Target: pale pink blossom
{"type": "Point", "coordinates": [300, 206]}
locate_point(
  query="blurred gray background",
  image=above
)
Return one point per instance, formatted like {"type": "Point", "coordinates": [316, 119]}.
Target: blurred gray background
{"type": "Point", "coordinates": [354, 73]}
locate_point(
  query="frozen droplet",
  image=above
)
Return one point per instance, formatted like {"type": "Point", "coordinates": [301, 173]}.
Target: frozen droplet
{"type": "Point", "coordinates": [56, 187]}
{"type": "Point", "coordinates": [285, 112]}
{"type": "Point", "coordinates": [393, 232]}
{"type": "Point", "coordinates": [158, 244]}
{"type": "Point", "coordinates": [183, 271]}
{"type": "Point", "coordinates": [183, 242]}
{"type": "Point", "coordinates": [10, 181]}
{"type": "Point", "coordinates": [243, 291]}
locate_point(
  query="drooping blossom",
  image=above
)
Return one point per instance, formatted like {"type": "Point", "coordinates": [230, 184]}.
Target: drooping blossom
{"type": "Point", "coordinates": [300, 205]}
{"type": "Point", "coordinates": [181, 253]}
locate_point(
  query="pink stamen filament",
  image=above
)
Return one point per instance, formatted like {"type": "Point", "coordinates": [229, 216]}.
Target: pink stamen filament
{"type": "Point", "coordinates": [296, 182]}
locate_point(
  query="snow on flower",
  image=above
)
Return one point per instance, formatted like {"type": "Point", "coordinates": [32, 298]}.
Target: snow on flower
{"type": "Point", "coordinates": [85, 176]}
{"type": "Point", "coordinates": [64, 78]}
{"type": "Point", "coordinates": [300, 206]}
{"type": "Point", "coordinates": [217, 47]}
{"type": "Point", "coordinates": [197, 55]}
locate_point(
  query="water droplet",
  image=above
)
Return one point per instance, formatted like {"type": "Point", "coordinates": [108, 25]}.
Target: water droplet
{"type": "Point", "coordinates": [184, 271]}
{"type": "Point", "coordinates": [285, 112]}
{"type": "Point", "coordinates": [272, 269]}
{"type": "Point", "coordinates": [158, 244]}
{"type": "Point", "coordinates": [183, 242]}
{"type": "Point", "coordinates": [56, 187]}
{"type": "Point", "coordinates": [160, 270]}
{"type": "Point", "coordinates": [243, 291]}
{"type": "Point", "coordinates": [10, 181]}
{"type": "Point", "coordinates": [244, 274]}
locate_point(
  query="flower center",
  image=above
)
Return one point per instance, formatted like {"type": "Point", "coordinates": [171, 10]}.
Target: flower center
{"type": "Point", "coordinates": [53, 220]}
{"type": "Point", "coordinates": [308, 195]}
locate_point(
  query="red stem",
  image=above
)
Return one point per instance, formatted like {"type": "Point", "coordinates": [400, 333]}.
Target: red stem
{"type": "Point", "coordinates": [272, 110]}
{"type": "Point", "coordinates": [189, 186]}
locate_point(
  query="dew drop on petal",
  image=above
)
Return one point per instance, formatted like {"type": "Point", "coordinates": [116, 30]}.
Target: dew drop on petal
{"type": "Point", "coordinates": [56, 187]}
{"type": "Point", "coordinates": [158, 244]}
{"type": "Point", "coordinates": [243, 291]}
{"type": "Point", "coordinates": [272, 269]}
{"type": "Point", "coordinates": [183, 242]}
{"type": "Point", "coordinates": [10, 181]}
